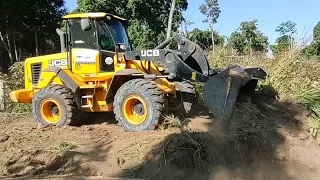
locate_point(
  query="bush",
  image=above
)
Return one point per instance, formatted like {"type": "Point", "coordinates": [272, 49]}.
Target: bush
{"type": "Point", "coordinates": [12, 81]}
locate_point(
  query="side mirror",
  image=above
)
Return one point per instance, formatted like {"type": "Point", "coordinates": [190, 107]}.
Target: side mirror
{"type": "Point", "coordinates": [85, 25]}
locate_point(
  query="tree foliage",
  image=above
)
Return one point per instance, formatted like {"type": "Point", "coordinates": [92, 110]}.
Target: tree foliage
{"type": "Point", "coordinates": [27, 28]}
{"type": "Point", "coordinates": [211, 9]}
{"type": "Point", "coordinates": [286, 28]}
{"type": "Point", "coordinates": [148, 18]}
{"type": "Point", "coordinates": [283, 43]}
{"type": "Point", "coordinates": [314, 48]}
{"type": "Point", "coordinates": [203, 38]}
{"type": "Point", "coordinates": [248, 38]}
{"type": "Point", "coordinates": [316, 33]}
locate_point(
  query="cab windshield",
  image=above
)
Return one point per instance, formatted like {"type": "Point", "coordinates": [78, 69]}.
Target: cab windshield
{"type": "Point", "coordinates": [112, 34]}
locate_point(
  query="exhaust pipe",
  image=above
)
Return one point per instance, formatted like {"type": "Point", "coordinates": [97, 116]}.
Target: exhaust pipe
{"type": "Point", "coordinates": [62, 40]}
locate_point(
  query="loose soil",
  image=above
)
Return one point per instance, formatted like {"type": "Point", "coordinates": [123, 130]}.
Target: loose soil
{"type": "Point", "coordinates": [266, 139]}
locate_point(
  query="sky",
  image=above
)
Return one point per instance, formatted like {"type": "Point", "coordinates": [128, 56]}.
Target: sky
{"type": "Point", "coordinates": [269, 13]}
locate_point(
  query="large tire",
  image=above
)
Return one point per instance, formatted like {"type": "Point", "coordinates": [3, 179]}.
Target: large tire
{"type": "Point", "coordinates": [55, 105]}
{"type": "Point", "coordinates": [186, 99]}
{"type": "Point", "coordinates": [138, 105]}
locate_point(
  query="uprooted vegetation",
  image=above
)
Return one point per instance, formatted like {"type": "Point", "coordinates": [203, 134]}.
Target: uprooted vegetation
{"type": "Point", "coordinates": [292, 76]}
{"type": "Point", "coordinates": [199, 152]}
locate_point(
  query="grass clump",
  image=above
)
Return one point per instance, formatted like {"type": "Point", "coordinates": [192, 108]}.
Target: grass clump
{"type": "Point", "coordinates": [170, 121]}
{"type": "Point", "coordinates": [310, 97]}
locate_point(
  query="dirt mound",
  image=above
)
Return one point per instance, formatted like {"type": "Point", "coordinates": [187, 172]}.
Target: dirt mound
{"type": "Point", "coordinates": [264, 136]}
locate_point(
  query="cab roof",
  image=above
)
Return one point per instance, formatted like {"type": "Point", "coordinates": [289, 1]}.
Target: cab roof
{"type": "Point", "coordinates": [97, 15]}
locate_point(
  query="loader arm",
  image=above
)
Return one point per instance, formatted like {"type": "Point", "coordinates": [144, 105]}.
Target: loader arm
{"type": "Point", "coordinates": [190, 63]}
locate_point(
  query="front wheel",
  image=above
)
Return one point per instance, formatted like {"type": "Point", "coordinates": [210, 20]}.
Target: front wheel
{"type": "Point", "coordinates": [138, 105]}
{"type": "Point", "coordinates": [55, 105]}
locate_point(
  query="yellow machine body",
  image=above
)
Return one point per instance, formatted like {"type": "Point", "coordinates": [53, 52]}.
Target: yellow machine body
{"type": "Point", "coordinates": [87, 77]}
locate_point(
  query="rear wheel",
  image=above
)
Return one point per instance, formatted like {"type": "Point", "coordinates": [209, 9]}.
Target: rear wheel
{"type": "Point", "coordinates": [55, 105]}
{"type": "Point", "coordinates": [186, 98]}
{"type": "Point", "coordinates": [138, 105]}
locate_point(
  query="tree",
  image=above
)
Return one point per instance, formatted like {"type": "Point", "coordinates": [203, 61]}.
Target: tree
{"type": "Point", "coordinates": [151, 15]}
{"type": "Point", "coordinates": [203, 38]}
{"type": "Point", "coordinates": [283, 43]}
{"type": "Point", "coordinates": [287, 29]}
{"type": "Point", "coordinates": [316, 37]}
{"type": "Point", "coordinates": [237, 41]}
{"type": "Point", "coordinates": [314, 48]}
{"type": "Point", "coordinates": [29, 30]}
{"type": "Point", "coordinates": [185, 24]}
{"type": "Point", "coordinates": [173, 6]}
{"type": "Point", "coordinates": [311, 50]}
{"type": "Point", "coordinates": [248, 38]}
{"type": "Point", "coordinates": [211, 10]}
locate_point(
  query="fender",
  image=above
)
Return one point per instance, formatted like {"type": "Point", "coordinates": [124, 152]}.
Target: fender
{"type": "Point", "coordinates": [67, 81]}
{"type": "Point", "coordinates": [118, 79]}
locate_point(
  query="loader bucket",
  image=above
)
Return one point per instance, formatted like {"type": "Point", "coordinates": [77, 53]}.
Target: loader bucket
{"type": "Point", "coordinates": [221, 90]}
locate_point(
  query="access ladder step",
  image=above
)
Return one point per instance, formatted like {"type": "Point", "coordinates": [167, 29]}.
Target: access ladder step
{"type": "Point", "coordinates": [87, 106]}
{"type": "Point", "coordinates": [87, 97]}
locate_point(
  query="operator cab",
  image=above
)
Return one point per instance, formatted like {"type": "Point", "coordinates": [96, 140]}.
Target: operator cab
{"type": "Point", "coordinates": [100, 32]}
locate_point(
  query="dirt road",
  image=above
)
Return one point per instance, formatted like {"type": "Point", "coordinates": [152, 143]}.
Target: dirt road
{"type": "Point", "coordinates": [267, 140]}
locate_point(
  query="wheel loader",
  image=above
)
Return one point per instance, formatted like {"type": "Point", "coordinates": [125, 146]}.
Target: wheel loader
{"type": "Point", "coordinates": [98, 70]}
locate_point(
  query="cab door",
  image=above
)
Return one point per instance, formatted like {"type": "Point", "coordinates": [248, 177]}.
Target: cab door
{"type": "Point", "coordinates": [84, 49]}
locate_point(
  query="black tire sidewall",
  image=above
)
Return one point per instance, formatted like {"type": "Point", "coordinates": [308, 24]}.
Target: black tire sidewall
{"type": "Point", "coordinates": [150, 114]}
{"type": "Point", "coordinates": [187, 97]}
{"type": "Point", "coordinates": [36, 108]}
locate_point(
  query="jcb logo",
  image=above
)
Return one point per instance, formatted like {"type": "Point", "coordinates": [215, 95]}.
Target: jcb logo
{"type": "Point", "coordinates": [150, 53]}
{"type": "Point", "coordinates": [58, 62]}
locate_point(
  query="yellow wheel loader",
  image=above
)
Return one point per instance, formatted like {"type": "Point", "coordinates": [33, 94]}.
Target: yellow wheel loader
{"type": "Point", "coordinates": [97, 70]}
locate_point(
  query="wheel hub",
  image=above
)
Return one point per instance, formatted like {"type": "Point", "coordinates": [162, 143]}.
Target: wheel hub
{"type": "Point", "coordinates": [138, 108]}
{"type": "Point", "coordinates": [55, 111]}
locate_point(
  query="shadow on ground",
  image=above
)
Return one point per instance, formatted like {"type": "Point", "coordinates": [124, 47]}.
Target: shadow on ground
{"type": "Point", "coordinates": [248, 150]}
{"type": "Point", "coordinates": [98, 118]}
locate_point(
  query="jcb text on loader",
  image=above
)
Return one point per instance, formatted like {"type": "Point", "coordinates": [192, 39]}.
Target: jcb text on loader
{"type": "Point", "coordinates": [98, 71]}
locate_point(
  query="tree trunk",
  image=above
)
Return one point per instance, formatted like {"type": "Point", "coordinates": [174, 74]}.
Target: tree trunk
{"type": "Point", "coordinates": [173, 6]}
{"type": "Point", "coordinates": [15, 47]}
{"type": "Point", "coordinates": [251, 53]}
{"type": "Point", "coordinates": [6, 43]}
{"type": "Point", "coordinates": [36, 41]}
{"type": "Point", "coordinates": [212, 38]}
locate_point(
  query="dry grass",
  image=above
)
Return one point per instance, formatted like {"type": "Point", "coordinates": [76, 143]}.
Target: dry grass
{"type": "Point", "coordinates": [290, 76]}
{"type": "Point", "coordinates": [170, 121]}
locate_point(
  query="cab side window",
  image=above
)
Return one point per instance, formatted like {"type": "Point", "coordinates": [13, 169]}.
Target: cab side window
{"type": "Point", "coordinates": [104, 37]}
{"type": "Point", "coordinates": [83, 39]}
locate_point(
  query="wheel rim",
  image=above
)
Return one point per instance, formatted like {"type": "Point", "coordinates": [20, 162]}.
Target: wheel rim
{"type": "Point", "coordinates": [135, 109]}
{"type": "Point", "coordinates": [50, 111]}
